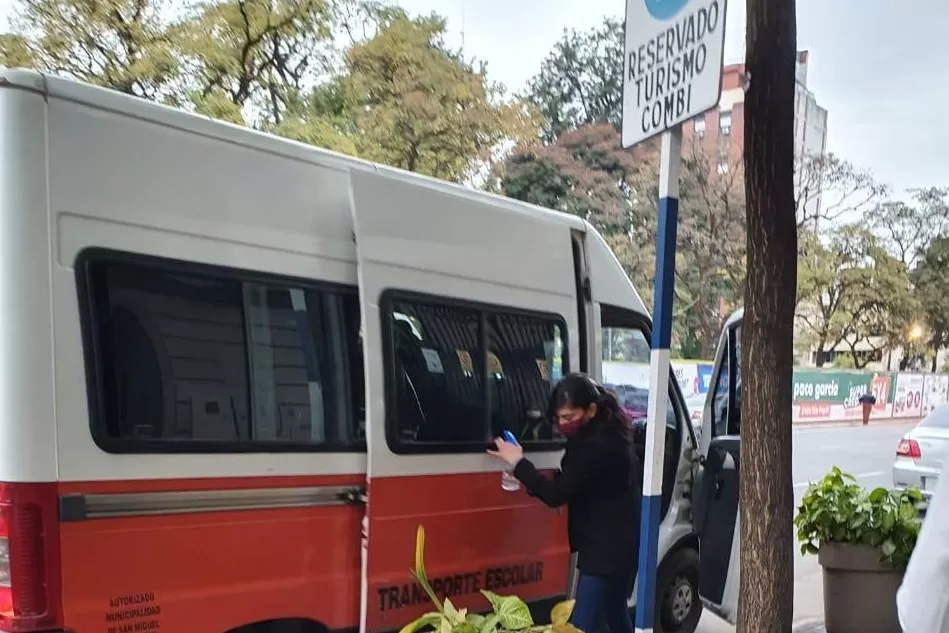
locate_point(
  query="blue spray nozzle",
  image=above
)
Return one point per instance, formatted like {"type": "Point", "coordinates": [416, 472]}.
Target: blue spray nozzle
{"type": "Point", "coordinates": [508, 437]}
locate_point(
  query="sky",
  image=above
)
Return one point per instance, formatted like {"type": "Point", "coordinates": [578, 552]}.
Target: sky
{"type": "Point", "coordinates": [882, 73]}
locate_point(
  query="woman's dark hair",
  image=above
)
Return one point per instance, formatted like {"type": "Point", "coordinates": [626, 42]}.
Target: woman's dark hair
{"type": "Point", "coordinates": [580, 391]}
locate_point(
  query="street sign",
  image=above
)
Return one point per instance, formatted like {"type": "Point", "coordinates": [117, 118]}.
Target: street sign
{"type": "Point", "coordinates": [673, 65]}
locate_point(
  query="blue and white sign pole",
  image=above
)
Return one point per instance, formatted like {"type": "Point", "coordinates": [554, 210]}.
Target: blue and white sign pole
{"type": "Point", "coordinates": [672, 73]}
{"type": "Point", "coordinates": [668, 211]}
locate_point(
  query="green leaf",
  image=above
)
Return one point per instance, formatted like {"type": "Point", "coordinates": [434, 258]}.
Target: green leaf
{"type": "Point", "coordinates": [879, 494]}
{"type": "Point", "coordinates": [476, 620]}
{"type": "Point", "coordinates": [449, 609]}
{"type": "Point", "coordinates": [513, 614]}
{"type": "Point", "coordinates": [493, 598]}
{"type": "Point", "coordinates": [490, 623]}
{"type": "Point", "coordinates": [888, 547]}
{"type": "Point", "coordinates": [429, 619]}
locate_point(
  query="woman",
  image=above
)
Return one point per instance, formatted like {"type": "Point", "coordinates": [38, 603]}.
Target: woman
{"type": "Point", "coordinates": [600, 482]}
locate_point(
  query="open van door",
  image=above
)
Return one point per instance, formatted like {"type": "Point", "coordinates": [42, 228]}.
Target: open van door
{"type": "Point", "coordinates": [715, 494]}
{"type": "Point", "coordinates": [465, 320]}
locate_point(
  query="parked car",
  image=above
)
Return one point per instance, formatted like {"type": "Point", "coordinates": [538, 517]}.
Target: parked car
{"type": "Point", "coordinates": [921, 453]}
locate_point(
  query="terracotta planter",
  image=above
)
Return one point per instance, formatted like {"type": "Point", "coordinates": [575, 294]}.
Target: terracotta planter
{"type": "Point", "coordinates": [859, 590]}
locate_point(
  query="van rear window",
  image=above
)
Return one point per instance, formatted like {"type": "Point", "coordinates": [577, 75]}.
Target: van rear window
{"type": "Point", "coordinates": [185, 358]}
{"type": "Point", "coordinates": [460, 374]}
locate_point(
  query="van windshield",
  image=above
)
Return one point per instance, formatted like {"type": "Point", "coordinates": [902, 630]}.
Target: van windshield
{"type": "Point", "coordinates": [626, 372]}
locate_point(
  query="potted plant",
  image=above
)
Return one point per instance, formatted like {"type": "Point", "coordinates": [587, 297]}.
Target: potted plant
{"type": "Point", "coordinates": [863, 540]}
{"type": "Point", "coordinates": [508, 614]}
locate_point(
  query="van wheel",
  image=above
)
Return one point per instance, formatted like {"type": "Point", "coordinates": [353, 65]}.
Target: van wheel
{"type": "Point", "coordinates": [678, 606]}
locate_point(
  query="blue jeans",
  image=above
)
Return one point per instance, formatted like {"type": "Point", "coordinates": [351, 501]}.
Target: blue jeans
{"type": "Point", "coordinates": [600, 596]}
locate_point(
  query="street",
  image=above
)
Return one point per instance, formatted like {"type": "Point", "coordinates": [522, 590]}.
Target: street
{"type": "Point", "coordinates": [865, 452]}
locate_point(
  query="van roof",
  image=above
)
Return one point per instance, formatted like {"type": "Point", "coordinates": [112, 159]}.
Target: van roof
{"type": "Point", "coordinates": [107, 99]}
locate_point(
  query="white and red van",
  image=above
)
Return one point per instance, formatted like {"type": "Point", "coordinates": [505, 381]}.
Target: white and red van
{"type": "Point", "coordinates": [237, 372]}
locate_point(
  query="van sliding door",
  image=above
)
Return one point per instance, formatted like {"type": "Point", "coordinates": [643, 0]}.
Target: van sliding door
{"type": "Point", "coordinates": [469, 317]}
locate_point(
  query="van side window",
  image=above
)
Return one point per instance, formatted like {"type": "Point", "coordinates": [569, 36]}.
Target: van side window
{"type": "Point", "coordinates": [720, 399]}
{"type": "Point", "coordinates": [626, 371]}
{"type": "Point", "coordinates": [462, 374]}
{"type": "Point", "coordinates": [522, 355]}
{"type": "Point", "coordinates": [735, 412]}
{"type": "Point", "coordinates": [439, 393]}
{"type": "Point", "coordinates": [726, 405]}
{"type": "Point", "coordinates": [192, 359]}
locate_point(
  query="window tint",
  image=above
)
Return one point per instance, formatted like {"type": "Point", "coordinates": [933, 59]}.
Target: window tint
{"type": "Point", "coordinates": [462, 375]}
{"type": "Point", "coordinates": [726, 419]}
{"type": "Point", "coordinates": [438, 374]}
{"type": "Point", "coordinates": [626, 372]}
{"type": "Point", "coordinates": [523, 354]}
{"type": "Point", "coordinates": [190, 360]}
{"type": "Point", "coordinates": [720, 398]}
{"type": "Point", "coordinates": [736, 410]}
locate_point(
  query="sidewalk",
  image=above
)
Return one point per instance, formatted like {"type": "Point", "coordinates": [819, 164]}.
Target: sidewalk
{"type": "Point", "coordinates": [808, 601]}
{"type": "Point", "coordinates": [713, 624]}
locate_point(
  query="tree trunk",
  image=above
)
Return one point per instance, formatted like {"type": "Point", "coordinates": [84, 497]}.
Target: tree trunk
{"type": "Point", "coordinates": [766, 596]}
{"type": "Point", "coordinates": [938, 339]}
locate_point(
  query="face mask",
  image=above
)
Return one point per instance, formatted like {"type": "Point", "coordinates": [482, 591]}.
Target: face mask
{"type": "Point", "coordinates": [571, 428]}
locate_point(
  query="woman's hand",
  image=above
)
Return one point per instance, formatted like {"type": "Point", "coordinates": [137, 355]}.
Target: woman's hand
{"type": "Point", "coordinates": [508, 453]}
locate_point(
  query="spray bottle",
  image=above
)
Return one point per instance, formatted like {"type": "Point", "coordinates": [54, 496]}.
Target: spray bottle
{"type": "Point", "coordinates": [508, 481]}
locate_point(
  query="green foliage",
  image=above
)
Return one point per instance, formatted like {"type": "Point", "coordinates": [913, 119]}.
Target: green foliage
{"type": "Point", "coordinates": [15, 51]}
{"type": "Point", "coordinates": [932, 291]}
{"type": "Point", "coordinates": [909, 227]}
{"type": "Point", "coordinates": [838, 510]}
{"type": "Point", "coordinates": [424, 108]}
{"type": "Point", "coordinates": [710, 265]}
{"type": "Point", "coordinates": [580, 168]}
{"type": "Point", "coordinates": [851, 290]}
{"type": "Point", "coordinates": [586, 172]}
{"type": "Point", "coordinates": [508, 613]}
{"type": "Point", "coordinates": [126, 45]}
{"type": "Point", "coordinates": [581, 80]}
{"type": "Point", "coordinates": [259, 55]}
{"type": "Point", "coordinates": [844, 361]}
{"type": "Point", "coordinates": [356, 76]}
{"type": "Point", "coordinates": [914, 232]}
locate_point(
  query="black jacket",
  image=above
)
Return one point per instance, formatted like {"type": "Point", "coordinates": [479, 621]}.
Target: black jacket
{"type": "Point", "coordinates": [600, 482]}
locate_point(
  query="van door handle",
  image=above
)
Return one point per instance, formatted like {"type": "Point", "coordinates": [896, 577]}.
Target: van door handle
{"type": "Point", "coordinates": [354, 496]}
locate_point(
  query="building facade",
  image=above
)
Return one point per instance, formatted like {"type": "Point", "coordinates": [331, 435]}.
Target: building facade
{"type": "Point", "coordinates": [720, 132]}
